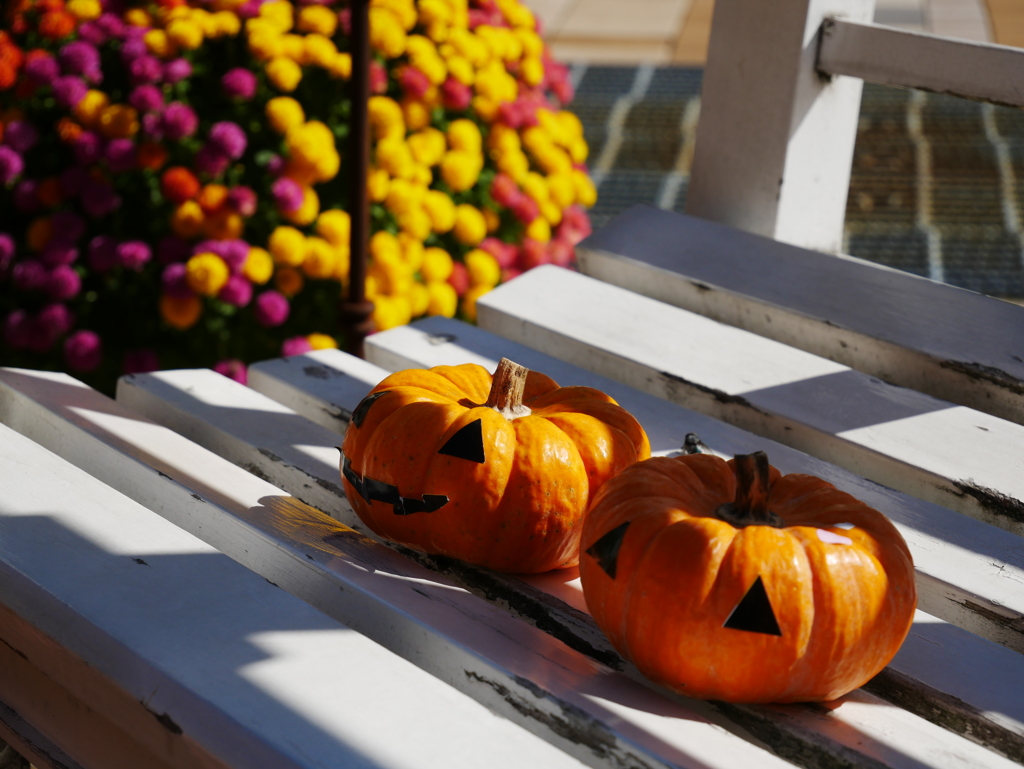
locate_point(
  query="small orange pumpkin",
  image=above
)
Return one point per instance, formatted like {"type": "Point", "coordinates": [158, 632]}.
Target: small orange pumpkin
{"type": "Point", "coordinates": [729, 581]}
{"type": "Point", "coordinates": [497, 472]}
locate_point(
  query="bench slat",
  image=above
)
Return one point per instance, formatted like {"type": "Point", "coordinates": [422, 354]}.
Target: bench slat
{"type": "Point", "coordinates": [903, 329]}
{"type": "Point", "coordinates": [954, 456]}
{"type": "Point", "coordinates": [200, 660]}
{"type": "Point", "coordinates": [504, 663]}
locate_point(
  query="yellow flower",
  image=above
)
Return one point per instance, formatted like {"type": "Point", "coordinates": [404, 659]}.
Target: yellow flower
{"type": "Point", "coordinates": [341, 66]}
{"type": "Point", "coordinates": [225, 24]}
{"type": "Point", "coordinates": [288, 281]}
{"type": "Point", "coordinates": [386, 33]}
{"type": "Point", "coordinates": [119, 121]}
{"type": "Point", "coordinates": [492, 219]}
{"type": "Point", "coordinates": [223, 225]}
{"type": "Point", "coordinates": [180, 313]}
{"type": "Point", "coordinates": [419, 299]}
{"type": "Point", "coordinates": [265, 44]}
{"type": "Point", "coordinates": [440, 209]}
{"type": "Point", "coordinates": [470, 226]}
{"type": "Point", "coordinates": [318, 19]}
{"type": "Point", "coordinates": [483, 268]}
{"type": "Point", "coordinates": [187, 220]}
{"type": "Point", "coordinates": [258, 266]}
{"type": "Point", "coordinates": [39, 233]}
{"type": "Point", "coordinates": [89, 108]}
{"type": "Point", "coordinates": [412, 251]}
{"type": "Point", "coordinates": [341, 271]}
{"type": "Point", "coordinates": [385, 247]}
{"type": "Point", "coordinates": [586, 193]}
{"type": "Point", "coordinates": [311, 147]}
{"type": "Point", "coordinates": [138, 18]}
{"type": "Point", "coordinates": [539, 229]}
{"type": "Point", "coordinates": [377, 185]}
{"type": "Point", "coordinates": [390, 311]}
{"type": "Point", "coordinates": [469, 45]}
{"type": "Point", "coordinates": [562, 189]}
{"type": "Point", "coordinates": [437, 265]}
{"type": "Point", "coordinates": [515, 164]}
{"type": "Point", "coordinates": [394, 156]}
{"type": "Point", "coordinates": [84, 10]}
{"type": "Point", "coordinates": [385, 115]}
{"type": "Point", "coordinates": [435, 10]}
{"type": "Point", "coordinates": [280, 13]}
{"type": "Point", "coordinates": [486, 108]}
{"type": "Point", "coordinates": [428, 145]}
{"type": "Point", "coordinates": [531, 42]}
{"type": "Point", "coordinates": [532, 70]}
{"type": "Point", "coordinates": [461, 70]}
{"type": "Point", "coordinates": [294, 48]}
{"type": "Point", "coordinates": [469, 301]}
{"type": "Point", "coordinates": [185, 33]}
{"type": "Point", "coordinates": [421, 175]}
{"type": "Point", "coordinates": [578, 150]}
{"type": "Point", "coordinates": [464, 135]}
{"type": "Point", "coordinates": [442, 299]}
{"type": "Point", "coordinates": [403, 196]}
{"type": "Point", "coordinates": [159, 44]}
{"type": "Point", "coordinates": [334, 226]}
{"type": "Point", "coordinates": [284, 74]}
{"type": "Point", "coordinates": [535, 186]}
{"type": "Point", "coordinates": [416, 114]}
{"type": "Point", "coordinates": [321, 261]}
{"type": "Point", "coordinates": [416, 222]}
{"type": "Point", "coordinates": [460, 170]}
{"type": "Point", "coordinates": [321, 341]}
{"type": "Point", "coordinates": [284, 113]}
{"type": "Point", "coordinates": [206, 273]}
{"type": "Point", "coordinates": [308, 211]}
{"type": "Point", "coordinates": [288, 246]}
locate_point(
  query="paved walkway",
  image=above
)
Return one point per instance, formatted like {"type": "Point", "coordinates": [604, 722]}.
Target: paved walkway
{"type": "Point", "coordinates": [676, 31]}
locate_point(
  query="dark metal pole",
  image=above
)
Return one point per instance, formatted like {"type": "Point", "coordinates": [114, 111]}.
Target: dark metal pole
{"type": "Point", "coordinates": [355, 310]}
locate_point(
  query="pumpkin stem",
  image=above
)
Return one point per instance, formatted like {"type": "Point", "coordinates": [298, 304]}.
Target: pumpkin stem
{"type": "Point", "coordinates": [751, 505]}
{"type": "Point", "coordinates": [506, 395]}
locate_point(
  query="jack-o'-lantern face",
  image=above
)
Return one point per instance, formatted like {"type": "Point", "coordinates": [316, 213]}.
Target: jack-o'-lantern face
{"type": "Point", "coordinates": [435, 460]}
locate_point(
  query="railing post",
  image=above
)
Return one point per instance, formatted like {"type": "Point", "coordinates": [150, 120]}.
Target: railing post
{"type": "Point", "coordinates": [775, 138]}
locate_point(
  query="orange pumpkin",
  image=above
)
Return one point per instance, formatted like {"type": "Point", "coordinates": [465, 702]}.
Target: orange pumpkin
{"type": "Point", "coordinates": [729, 581]}
{"type": "Point", "coordinates": [497, 472]}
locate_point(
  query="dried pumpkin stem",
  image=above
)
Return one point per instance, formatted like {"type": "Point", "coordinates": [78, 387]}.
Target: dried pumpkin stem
{"type": "Point", "coordinates": [751, 505]}
{"type": "Point", "coordinates": [506, 395]}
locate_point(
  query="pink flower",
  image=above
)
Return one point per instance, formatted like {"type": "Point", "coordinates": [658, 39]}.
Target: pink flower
{"type": "Point", "coordinates": [249, 9]}
{"type": "Point", "coordinates": [83, 351]}
{"type": "Point", "coordinates": [228, 138]}
{"type": "Point", "coordinates": [111, 24]}
{"type": "Point", "coordinates": [133, 49]}
{"type": "Point", "coordinates": [42, 70]}
{"type": "Point", "coordinates": [62, 283]}
{"type": "Point", "coordinates": [87, 148]}
{"type": "Point", "coordinates": [177, 70]}
{"type": "Point", "coordinates": [69, 90]}
{"type": "Point", "coordinates": [133, 254]}
{"type": "Point", "coordinates": [238, 83]}
{"type": "Point", "coordinates": [29, 275]}
{"type": "Point", "coordinates": [504, 190]}
{"type": "Point", "coordinates": [7, 250]}
{"type": "Point", "coordinates": [55, 320]}
{"type": "Point", "coordinates": [180, 121]}
{"type": "Point", "coordinates": [153, 125]}
{"type": "Point", "coordinates": [533, 254]}
{"type": "Point", "coordinates": [120, 154]}
{"type": "Point", "coordinates": [455, 95]}
{"type": "Point", "coordinates": [235, 253]}
{"type": "Point", "coordinates": [275, 165]}
{"type": "Point", "coordinates": [243, 200]}
{"type": "Point", "coordinates": [233, 369]}
{"type": "Point", "coordinates": [99, 199]}
{"type": "Point", "coordinates": [271, 309]}
{"type": "Point", "coordinates": [146, 98]}
{"type": "Point", "coordinates": [211, 161]}
{"type": "Point", "coordinates": [56, 254]}
{"type": "Point", "coordinates": [413, 82]}
{"type": "Point", "coordinates": [11, 165]}
{"type": "Point", "coordinates": [102, 253]}
{"type": "Point", "coordinates": [561, 252]}
{"type": "Point", "coordinates": [20, 136]}
{"type": "Point", "coordinates": [378, 78]}
{"type": "Point", "coordinates": [236, 292]}
{"type": "Point", "coordinates": [92, 32]}
{"type": "Point", "coordinates": [296, 345]}
{"type": "Point", "coordinates": [140, 362]}
{"type": "Point", "coordinates": [575, 225]}
{"type": "Point", "coordinates": [525, 209]}
{"type": "Point", "coordinates": [81, 58]}
{"type": "Point", "coordinates": [459, 279]}
{"type": "Point", "coordinates": [68, 227]}
{"type": "Point", "coordinates": [287, 194]}
{"type": "Point", "coordinates": [173, 282]}
{"type": "Point", "coordinates": [504, 253]}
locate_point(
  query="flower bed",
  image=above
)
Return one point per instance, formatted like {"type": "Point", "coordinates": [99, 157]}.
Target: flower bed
{"type": "Point", "coordinates": [173, 181]}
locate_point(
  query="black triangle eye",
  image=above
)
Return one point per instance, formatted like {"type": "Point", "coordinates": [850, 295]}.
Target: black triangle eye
{"type": "Point", "coordinates": [754, 612]}
{"type": "Point", "coordinates": [467, 443]}
{"type": "Point", "coordinates": [359, 415]}
{"type": "Point", "coordinates": [606, 550]}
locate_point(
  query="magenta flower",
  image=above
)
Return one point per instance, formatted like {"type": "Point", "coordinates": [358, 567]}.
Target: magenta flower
{"type": "Point", "coordinates": [42, 70]}
{"type": "Point", "coordinates": [92, 32]}
{"type": "Point", "coordinates": [69, 90]}
{"type": "Point", "coordinates": [62, 283]}
{"type": "Point", "coordinates": [153, 125]}
{"type": "Point", "coordinates": [287, 194]}
{"type": "Point", "coordinates": [171, 249]}
{"type": "Point", "coordinates": [81, 58]}
{"type": "Point", "coordinates": [229, 139]}
{"type": "Point", "coordinates": [25, 198]}
{"type": "Point", "coordinates": [68, 227]}
{"type": "Point", "coordinates": [180, 121]}
{"type": "Point", "coordinates": [73, 179]}
{"type": "Point", "coordinates": [378, 77]}
{"type": "Point", "coordinates": [111, 24]}
{"type": "Point", "coordinates": [234, 252]}
{"type": "Point", "coordinates": [83, 351]}
{"type": "Point", "coordinates": [414, 82]}
{"type": "Point", "coordinates": [236, 292]}
{"type": "Point", "coordinates": [243, 200]}
{"type": "Point", "coordinates": [7, 250]}
{"type": "Point", "coordinates": [238, 83]}
{"type": "Point", "coordinates": [11, 165]}
{"type": "Point", "coordinates": [88, 148]}
{"type": "Point", "coordinates": [98, 198]}
{"type": "Point", "coordinates": [211, 161]}
{"type": "Point", "coordinates": [296, 345]}
{"type": "Point", "coordinates": [145, 68]}
{"type": "Point", "coordinates": [140, 362]}
{"type": "Point", "coordinates": [21, 136]}
{"type": "Point", "coordinates": [55, 319]}
{"type": "Point", "coordinates": [173, 282]}
{"type": "Point", "coordinates": [58, 254]}
{"type": "Point", "coordinates": [276, 165]}
{"type": "Point", "coordinates": [29, 275]}
{"type": "Point", "coordinates": [233, 369]}
{"type": "Point", "coordinates": [271, 309]}
{"type": "Point", "coordinates": [120, 154]}
{"type": "Point", "coordinates": [132, 49]}
{"type": "Point", "coordinates": [146, 98]}
{"type": "Point", "coordinates": [102, 253]}
{"type": "Point", "coordinates": [133, 254]}
{"type": "Point", "coordinates": [177, 70]}
{"type": "Point", "coordinates": [16, 329]}
{"type": "Point", "coordinates": [249, 9]}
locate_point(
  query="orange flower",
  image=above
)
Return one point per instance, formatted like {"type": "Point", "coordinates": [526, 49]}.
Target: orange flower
{"type": "Point", "coordinates": [179, 184]}
{"type": "Point", "coordinates": [181, 313]}
{"type": "Point", "coordinates": [8, 75]}
{"type": "Point", "coordinates": [49, 193]}
{"type": "Point", "coordinates": [212, 197]}
{"type": "Point", "coordinates": [288, 281]}
{"type": "Point", "coordinates": [56, 25]}
{"type": "Point", "coordinates": [68, 130]}
{"type": "Point", "coordinates": [152, 155]}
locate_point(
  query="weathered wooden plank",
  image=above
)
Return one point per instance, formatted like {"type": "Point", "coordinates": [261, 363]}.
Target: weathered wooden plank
{"type": "Point", "coordinates": [965, 68]}
{"type": "Point", "coordinates": [953, 699]}
{"type": "Point", "coordinates": [903, 329]}
{"type": "Point", "coordinates": [439, 341]}
{"type": "Point", "coordinates": [507, 665]}
{"type": "Point", "coordinates": [954, 456]}
{"type": "Point", "coordinates": [200, 660]}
